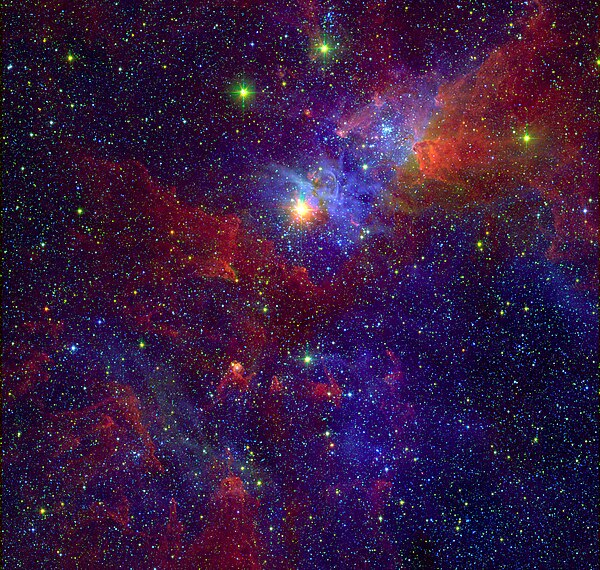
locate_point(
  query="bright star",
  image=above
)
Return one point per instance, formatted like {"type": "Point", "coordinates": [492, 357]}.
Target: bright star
{"type": "Point", "coordinates": [244, 91]}
{"type": "Point", "coordinates": [302, 209]}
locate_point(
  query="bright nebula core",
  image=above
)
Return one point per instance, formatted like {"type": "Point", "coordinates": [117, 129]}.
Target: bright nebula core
{"type": "Point", "coordinates": [300, 285]}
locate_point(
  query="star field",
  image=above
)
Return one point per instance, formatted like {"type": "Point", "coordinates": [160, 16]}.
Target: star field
{"type": "Point", "coordinates": [300, 285]}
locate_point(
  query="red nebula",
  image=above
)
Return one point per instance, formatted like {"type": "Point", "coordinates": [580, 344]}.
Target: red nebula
{"type": "Point", "coordinates": [396, 376]}
{"type": "Point", "coordinates": [136, 246]}
{"type": "Point", "coordinates": [271, 422]}
{"type": "Point", "coordinates": [235, 379]}
{"type": "Point", "coordinates": [379, 492]}
{"type": "Point", "coordinates": [169, 550]}
{"type": "Point", "coordinates": [326, 392]}
{"type": "Point", "coordinates": [89, 443]}
{"type": "Point", "coordinates": [275, 386]}
{"type": "Point", "coordinates": [230, 539]}
{"type": "Point", "coordinates": [84, 543]}
{"type": "Point", "coordinates": [514, 123]}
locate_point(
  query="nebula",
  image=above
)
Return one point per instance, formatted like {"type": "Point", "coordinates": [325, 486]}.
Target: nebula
{"type": "Point", "coordinates": [300, 286]}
